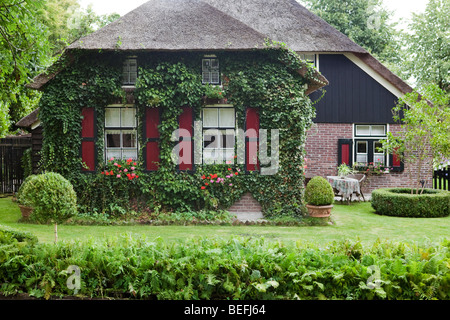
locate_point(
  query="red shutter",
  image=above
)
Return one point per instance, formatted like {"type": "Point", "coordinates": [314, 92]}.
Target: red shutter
{"type": "Point", "coordinates": [345, 152]}
{"type": "Point", "coordinates": [152, 119]}
{"type": "Point", "coordinates": [186, 139]}
{"type": "Point", "coordinates": [251, 139]}
{"type": "Point", "coordinates": [88, 139]}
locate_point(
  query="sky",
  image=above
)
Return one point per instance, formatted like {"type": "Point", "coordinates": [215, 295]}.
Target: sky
{"type": "Point", "coordinates": [402, 8]}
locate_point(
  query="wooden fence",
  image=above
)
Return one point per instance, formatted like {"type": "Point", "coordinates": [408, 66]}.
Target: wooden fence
{"type": "Point", "coordinates": [11, 169]}
{"type": "Point", "coordinates": [441, 179]}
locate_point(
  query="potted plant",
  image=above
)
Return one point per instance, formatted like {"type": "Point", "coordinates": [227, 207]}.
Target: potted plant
{"type": "Point", "coordinates": [319, 197]}
{"type": "Point", "coordinates": [23, 198]}
{"type": "Point", "coordinates": [344, 170]}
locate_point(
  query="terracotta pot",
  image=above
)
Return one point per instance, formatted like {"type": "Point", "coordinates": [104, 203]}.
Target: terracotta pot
{"type": "Point", "coordinates": [319, 211]}
{"type": "Point", "coordinates": [26, 211]}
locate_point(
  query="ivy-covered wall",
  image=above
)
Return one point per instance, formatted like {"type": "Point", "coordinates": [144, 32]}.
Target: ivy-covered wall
{"type": "Point", "coordinates": [267, 79]}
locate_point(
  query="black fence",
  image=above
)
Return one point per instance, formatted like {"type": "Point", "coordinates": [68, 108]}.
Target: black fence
{"type": "Point", "coordinates": [11, 168]}
{"type": "Point", "coordinates": [441, 179]}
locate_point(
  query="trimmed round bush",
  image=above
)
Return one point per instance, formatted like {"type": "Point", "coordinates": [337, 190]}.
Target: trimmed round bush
{"type": "Point", "coordinates": [319, 192]}
{"type": "Point", "coordinates": [51, 195]}
{"type": "Point", "coordinates": [401, 203]}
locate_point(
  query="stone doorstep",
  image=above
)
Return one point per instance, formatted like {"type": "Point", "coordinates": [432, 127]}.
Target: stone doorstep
{"type": "Point", "coordinates": [249, 216]}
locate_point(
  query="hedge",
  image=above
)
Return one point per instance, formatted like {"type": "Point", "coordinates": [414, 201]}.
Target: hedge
{"type": "Point", "coordinates": [237, 268]}
{"type": "Point", "coordinates": [9, 235]}
{"type": "Point", "coordinates": [401, 203]}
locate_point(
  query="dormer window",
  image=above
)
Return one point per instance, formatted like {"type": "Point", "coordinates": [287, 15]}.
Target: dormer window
{"type": "Point", "coordinates": [210, 70]}
{"type": "Point", "coordinates": [129, 74]}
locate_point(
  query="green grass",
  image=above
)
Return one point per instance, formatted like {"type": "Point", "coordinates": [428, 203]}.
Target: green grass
{"type": "Point", "coordinates": [352, 222]}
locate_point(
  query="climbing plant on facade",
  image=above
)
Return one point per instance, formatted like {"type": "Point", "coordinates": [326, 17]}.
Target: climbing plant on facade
{"type": "Point", "coordinates": [266, 80]}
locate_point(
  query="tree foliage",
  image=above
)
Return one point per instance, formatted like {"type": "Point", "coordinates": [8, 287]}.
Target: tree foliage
{"type": "Point", "coordinates": [24, 52]}
{"type": "Point", "coordinates": [425, 134]}
{"type": "Point", "coordinates": [366, 22]}
{"type": "Point", "coordinates": [32, 35]}
{"type": "Point", "coordinates": [429, 45]}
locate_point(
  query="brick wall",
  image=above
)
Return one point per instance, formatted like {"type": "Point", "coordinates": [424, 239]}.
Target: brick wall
{"type": "Point", "coordinates": [246, 204]}
{"type": "Point", "coordinates": [322, 154]}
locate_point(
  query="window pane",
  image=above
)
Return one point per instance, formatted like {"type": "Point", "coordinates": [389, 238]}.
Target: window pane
{"type": "Point", "coordinates": [215, 78]}
{"type": "Point", "coordinates": [226, 117]}
{"type": "Point", "coordinates": [211, 139]}
{"type": "Point", "coordinates": [210, 117]}
{"type": "Point", "coordinates": [206, 64]}
{"type": "Point", "coordinates": [377, 145]}
{"type": "Point", "coordinates": [129, 153]}
{"type": "Point", "coordinates": [378, 130]}
{"type": "Point", "coordinates": [113, 139]}
{"type": "Point", "coordinates": [116, 154]}
{"type": "Point", "coordinates": [362, 130]}
{"type": "Point", "coordinates": [129, 139]}
{"type": "Point", "coordinates": [214, 64]}
{"type": "Point", "coordinates": [228, 139]}
{"type": "Point", "coordinates": [361, 158]}
{"type": "Point", "coordinates": [378, 158]}
{"type": "Point", "coordinates": [112, 117]}
{"type": "Point", "coordinates": [128, 117]}
{"type": "Point", "coordinates": [361, 147]}
{"type": "Point", "coordinates": [310, 58]}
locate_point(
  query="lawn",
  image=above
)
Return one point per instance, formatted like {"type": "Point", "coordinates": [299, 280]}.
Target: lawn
{"type": "Point", "coordinates": [356, 221]}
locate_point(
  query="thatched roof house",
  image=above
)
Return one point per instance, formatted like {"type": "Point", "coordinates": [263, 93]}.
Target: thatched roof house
{"type": "Point", "coordinates": [351, 118]}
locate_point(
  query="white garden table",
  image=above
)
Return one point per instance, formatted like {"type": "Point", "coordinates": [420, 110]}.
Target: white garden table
{"type": "Point", "coordinates": [344, 187]}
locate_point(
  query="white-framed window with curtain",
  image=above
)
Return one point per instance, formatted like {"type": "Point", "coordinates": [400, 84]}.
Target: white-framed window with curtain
{"type": "Point", "coordinates": [368, 144]}
{"type": "Point", "coordinates": [129, 71]}
{"type": "Point", "coordinates": [121, 140]}
{"type": "Point", "coordinates": [210, 70]}
{"type": "Point", "coordinates": [219, 134]}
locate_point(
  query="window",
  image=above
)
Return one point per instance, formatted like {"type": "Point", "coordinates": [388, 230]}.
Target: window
{"type": "Point", "coordinates": [309, 57]}
{"type": "Point", "coordinates": [129, 74]}
{"type": "Point", "coordinates": [218, 134]}
{"type": "Point", "coordinates": [121, 133]}
{"type": "Point", "coordinates": [367, 144]}
{"type": "Point", "coordinates": [210, 71]}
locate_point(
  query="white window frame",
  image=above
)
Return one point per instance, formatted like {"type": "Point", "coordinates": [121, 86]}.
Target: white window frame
{"type": "Point", "coordinates": [124, 151]}
{"type": "Point", "coordinates": [221, 154]}
{"type": "Point", "coordinates": [372, 137]}
{"type": "Point", "coordinates": [311, 58]}
{"type": "Point", "coordinates": [129, 76]}
{"type": "Point", "coordinates": [207, 68]}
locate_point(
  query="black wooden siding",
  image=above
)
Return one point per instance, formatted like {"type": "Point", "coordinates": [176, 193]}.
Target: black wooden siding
{"type": "Point", "coordinates": [352, 95]}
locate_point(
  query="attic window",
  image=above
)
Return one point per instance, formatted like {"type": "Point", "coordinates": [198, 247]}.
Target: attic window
{"type": "Point", "coordinates": [309, 57]}
{"type": "Point", "coordinates": [129, 74]}
{"type": "Point", "coordinates": [210, 70]}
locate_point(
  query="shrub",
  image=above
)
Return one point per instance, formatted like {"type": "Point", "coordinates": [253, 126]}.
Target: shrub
{"type": "Point", "coordinates": [401, 203]}
{"type": "Point", "coordinates": [51, 196]}
{"type": "Point", "coordinates": [212, 269]}
{"type": "Point", "coordinates": [9, 235]}
{"type": "Point", "coordinates": [319, 192]}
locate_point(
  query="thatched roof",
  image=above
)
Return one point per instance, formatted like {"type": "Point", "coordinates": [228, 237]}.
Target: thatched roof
{"type": "Point", "coordinates": [289, 22]}
{"type": "Point", "coordinates": [176, 25]}
{"type": "Point", "coordinates": [29, 120]}
{"type": "Point", "coordinates": [173, 25]}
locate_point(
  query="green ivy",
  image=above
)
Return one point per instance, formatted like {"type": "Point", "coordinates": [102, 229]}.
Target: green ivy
{"type": "Point", "coordinates": [267, 79]}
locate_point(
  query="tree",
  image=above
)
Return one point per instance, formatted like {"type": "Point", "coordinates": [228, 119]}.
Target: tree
{"type": "Point", "coordinates": [365, 22]}
{"type": "Point", "coordinates": [67, 22]}
{"type": "Point", "coordinates": [425, 134]}
{"type": "Point", "coordinates": [429, 45]}
{"type": "Point", "coordinates": [24, 51]}
{"type": "Point", "coordinates": [33, 33]}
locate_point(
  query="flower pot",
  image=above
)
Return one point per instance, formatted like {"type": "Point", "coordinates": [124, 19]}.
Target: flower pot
{"type": "Point", "coordinates": [319, 211]}
{"type": "Point", "coordinates": [26, 211]}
